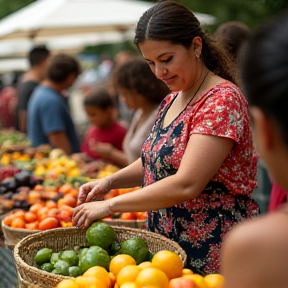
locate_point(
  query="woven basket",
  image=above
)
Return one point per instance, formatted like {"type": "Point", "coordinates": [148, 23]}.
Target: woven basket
{"type": "Point", "coordinates": [67, 238]}
{"type": "Point", "coordinates": [127, 223]}
{"type": "Point", "coordinates": [14, 235]}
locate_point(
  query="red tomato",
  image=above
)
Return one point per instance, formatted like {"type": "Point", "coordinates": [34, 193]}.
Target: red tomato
{"type": "Point", "coordinates": [128, 216]}
{"type": "Point", "coordinates": [48, 223]}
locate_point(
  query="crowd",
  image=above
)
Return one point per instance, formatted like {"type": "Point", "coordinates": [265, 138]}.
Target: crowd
{"type": "Point", "coordinates": [177, 121]}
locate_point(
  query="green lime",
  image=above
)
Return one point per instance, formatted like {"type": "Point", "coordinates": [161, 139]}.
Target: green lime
{"type": "Point", "coordinates": [54, 258]}
{"type": "Point", "coordinates": [43, 256]}
{"type": "Point", "coordinates": [48, 267]}
{"type": "Point", "coordinates": [137, 248]}
{"type": "Point", "coordinates": [100, 234]}
{"type": "Point", "coordinates": [70, 256]}
{"type": "Point", "coordinates": [61, 267]}
{"type": "Point", "coordinates": [114, 248]}
{"type": "Point", "coordinates": [95, 256]}
{"type": "Point", "coordinates": [74, 271]}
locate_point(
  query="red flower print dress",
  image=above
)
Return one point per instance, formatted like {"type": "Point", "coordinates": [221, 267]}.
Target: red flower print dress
{"type": "Point", "coordinates": [199, 225]}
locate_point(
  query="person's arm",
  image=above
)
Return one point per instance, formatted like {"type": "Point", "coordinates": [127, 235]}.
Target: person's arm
{"type": "Point", "coordinates": [60, 140]}
{"type": "Point", "coordinates": [22, 121]}
{"type": "Point", "coordinates": [202, 159]}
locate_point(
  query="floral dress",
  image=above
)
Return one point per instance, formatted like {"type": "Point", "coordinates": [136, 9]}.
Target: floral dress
{"type": "Point", "coordinates": [200, 225]}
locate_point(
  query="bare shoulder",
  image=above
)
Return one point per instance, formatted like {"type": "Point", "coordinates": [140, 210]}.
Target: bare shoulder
{"type": "Point", "coordinates": [256, 251]}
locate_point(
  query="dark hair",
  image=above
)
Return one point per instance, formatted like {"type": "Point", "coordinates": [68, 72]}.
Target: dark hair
{"type": "Point", "coordinates": [99, 98]}
{"type": "Point", "coordinates": [173, 22]}
{"type": "Point", "coordinates": [136, 75]}
{"type": "Point", "coordinates": [37, 55]}
{"type": "Point", "coordinates": [61, 66]}
{"type": "Point", "coordinates": [233, 36]}
{"type": "Point", "coordinates": [264, 70]}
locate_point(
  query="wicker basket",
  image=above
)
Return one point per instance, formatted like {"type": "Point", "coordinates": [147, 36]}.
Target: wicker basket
{"type": "Point", "coordinates": [14, 235]}
{"type": "Point", "coordinates": [67, 238]}
{"type": "Point", "coordinates": [127, 223]}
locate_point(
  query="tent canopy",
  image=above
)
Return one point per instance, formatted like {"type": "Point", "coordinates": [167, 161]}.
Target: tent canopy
{"type": "Point", "coordinates": [50, 18]}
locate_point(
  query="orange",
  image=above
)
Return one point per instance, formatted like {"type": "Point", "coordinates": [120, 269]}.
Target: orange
{"type": "Point", "coordinates": [119, 262]}
{"type": "Point", "coordinates": [80, 280]}
{"type": "Point", "coordinates": [18, 223]}
{"type": "Point", "coordinates": [30, 217]}
{"type": "Point", "coordinates": [187, 271]}
{"type": "Point", "coordinates": [42, 213]}
{"type": "Point", "coordinates": [67, 283]}
{"type": "Point", "coordinates": [99, 273]}
{"type": "Point", "coordinates": [51, 204]}
{"type": "Point", "coordinates": [128, 216]}
{"type": "Point", "coordinates": [169, 262]}
{"type": "Point", "coordinates": [48, 223]}
{"type": "Point", "coordinates": [128, 285]}
{"type": "Point", "coordinates": [152, 277]}
{"type": "Point", "coordinates": [36, 207]}
{"type": "Point", "coordinates": [92, 282]}
{"type": "Point", "coordinates": [198, 280]}
{"type": "Point", "coordinates": [112, 279]}
{"type": "Point", "coordinates": [19, 214]}
{"type": "Point", "coordinates": [128, 274]}
{"type": "Point", "coordinates": [146, 264]}
{"type": "Point", "coordinates": [32, 225]}
{"type": "Point", "coordinates": [8, 220]}
{"type": "Point", "coordinates": [69, 201]}
{"type": "Point", "coordinates": [214, 280]}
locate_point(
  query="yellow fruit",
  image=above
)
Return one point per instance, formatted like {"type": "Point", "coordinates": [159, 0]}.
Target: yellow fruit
{"type": "Point", "coordinates": [128, 274]}
{"type": "Point", "coordinates": [146, 264]}
{"type": "Point", "coordinates": [169, 262]}
{"type": "Point", "coordinates": [119, 262]}
{"type": "Point", "coordinates": [214, 280]}
{"type": "Point", "coordinates": [187, 271]}
{"type": "Point", "coordinates": [99, 273]}
{"type": "Point", "coordinates": [112, 279]}
{"type": "Point", "coordinates": [67, 283]}
{"type": "Point", "coordinates": [129, 285]}
{"type": "Point", "coordinates": [198, 280]}
{"type": "Point", "coordinates": [92, 282]}
{"type": "Point", "coordinates": [80, 280]}
{"type": "Point", "coordinates": [152, 277]}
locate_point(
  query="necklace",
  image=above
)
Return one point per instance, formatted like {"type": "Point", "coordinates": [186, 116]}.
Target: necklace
{"type": "Point", "coordinates": [198, 89]}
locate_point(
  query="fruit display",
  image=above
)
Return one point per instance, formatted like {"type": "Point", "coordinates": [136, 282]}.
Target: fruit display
{"type": "Point", "coordinates": [108, 264]}
{"type": "Point", "coordinates": [12, 140]}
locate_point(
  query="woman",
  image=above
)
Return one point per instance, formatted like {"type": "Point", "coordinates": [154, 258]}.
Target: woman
{"type": "Point", "coordinates": [255, 254]}
{"type": "Point", "coordinates": [197, 165]}
{"type": "Point", "coordinates": [142, 92]}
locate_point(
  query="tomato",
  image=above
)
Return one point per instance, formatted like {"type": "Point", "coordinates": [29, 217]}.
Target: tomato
{"type": "Point", "coordinates": [53, 212]}
{"type": "Point", "coordinates": [66, 188]}
{"type": "Point", "coordinates": [128, 216]}
{"type": "Point", "coordinates": [18, 223]}
{"type": "Point", "coordinates": [48, 223]}
{"type": "Point", "coordinates": [36, 207]}
{"type": "Point", "coordinates": [181, 283]}
{"type": "Point", "coordinates": [69, 201]}
{"type": "Point", "coordinates": [51, 204]}
{"type": "Point", "coordinates": [8, 220]}
{"type": "Point", "coordinates": [42, 213]}
{"type": "Point", "coordinates": [32, 225]}
{"type": "Point", "coordinates": [112, 193]}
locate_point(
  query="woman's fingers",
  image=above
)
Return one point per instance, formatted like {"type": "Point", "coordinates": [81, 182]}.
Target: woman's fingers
{"type": "Point", "coordinates": [84, 191]}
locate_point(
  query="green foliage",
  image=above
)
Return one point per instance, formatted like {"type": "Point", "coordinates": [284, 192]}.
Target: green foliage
{"type": "Point", "coordinates": [10, 6]}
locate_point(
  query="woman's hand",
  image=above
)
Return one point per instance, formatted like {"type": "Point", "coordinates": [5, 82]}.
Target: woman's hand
{"type": "Point", "coordinates": [85, 214]}
{"type": "Point", "coordinates": [94, 190]}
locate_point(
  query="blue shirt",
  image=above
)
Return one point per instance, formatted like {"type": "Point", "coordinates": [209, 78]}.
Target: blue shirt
{"type": "Point", "coordinates": [47, 113]}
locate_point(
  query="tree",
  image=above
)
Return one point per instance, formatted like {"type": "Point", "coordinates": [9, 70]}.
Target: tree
{"type": "Point", "coordinates": [10, 6]}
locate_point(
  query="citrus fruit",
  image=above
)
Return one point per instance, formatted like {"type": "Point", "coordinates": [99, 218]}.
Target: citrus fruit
{"type": "Point", "coordinates": [61, 268]}
{"type": "Point", "coordinates": [197, 279]}
{"type": "Point", "coordinates": [146, 264]}
{"type": "Point", "coordinates": [214, 280]}
{"type": "Point", "coordinates": [48, 267]}
{"type": "Point", "coordinates": [93, 256]}
{"type": "Point", "coordinates": [54, 258]}
{"type": "Point", "coordinates": [99, 273]}
{"type": "Point", "coordinates": [169, 262]}
{"type": "Point", "coordinates": [119, 262]}
{"type": "Point", "coordinates": [70, 256]}
{"type": "Point", "coordinates": [74, 271]}
{"type": "Point", "coordinates": [128, 274]}
{"type": "Point", "coordinates": [137, 248]}
{"type": "Point", "coordinates": [43, 256]}
{"type": "Point", "coordinates": [187, 271]}
{"type": "Point", "coordinates": [67, 283]}
{"type": "Point", "coordinates": [152, 277]}
{"type": "Point", "coordinates": [129, 285]}
{"type": "Point", "coordinates": [100, 234]}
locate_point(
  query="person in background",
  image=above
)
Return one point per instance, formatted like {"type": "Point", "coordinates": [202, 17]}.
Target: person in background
{"type": "Point", "coordinates": [104, 130]}
{"type": "Point", "coordinates": [49, 120]}
{"type": "Point", "coordinates": [233, 36]}
{"type": "Point", "coordinates": [38, 58]}
{"type": "Point", "coordinates": [255, 253]}
{"type": "Point", "coordinates": [142, 92]}
{"type": "Point", "coordinates": [198, 165]}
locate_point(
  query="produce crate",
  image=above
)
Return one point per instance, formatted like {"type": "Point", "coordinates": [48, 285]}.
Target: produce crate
{"type": "Point", "coordinates": [67, 238]}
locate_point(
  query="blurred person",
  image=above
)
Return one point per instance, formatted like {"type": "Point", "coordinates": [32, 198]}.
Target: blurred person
{"type": "Point", "coordinates": [255, 253]}
{"type": "Point", "coordinates": [49, 120]}
{"type": "Point", "coordinates": [142, 92]}
{"type": "Point", "coordinates": [104, 130]}
{"type": "Point", "coordinates": [38, 58]}
{"type": "Point", "coordinates": [233, 36]}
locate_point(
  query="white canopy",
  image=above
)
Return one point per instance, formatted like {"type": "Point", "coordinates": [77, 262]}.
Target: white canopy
{"type": "Point", "coordinates": [50, 18]}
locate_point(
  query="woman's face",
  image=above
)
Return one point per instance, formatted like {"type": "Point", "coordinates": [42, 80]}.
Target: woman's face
{"type": "Point", "coordinates": [174, 64]}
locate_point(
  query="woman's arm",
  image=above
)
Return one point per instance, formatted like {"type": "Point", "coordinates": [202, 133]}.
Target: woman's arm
{"type": "Point", "coordinates": [202, 159]}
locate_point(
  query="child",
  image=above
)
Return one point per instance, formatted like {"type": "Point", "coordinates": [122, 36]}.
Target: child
{"type": "Point", "coordinates": [100, 111]}
{"type": "Point", "coordinates": [255, 253]}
